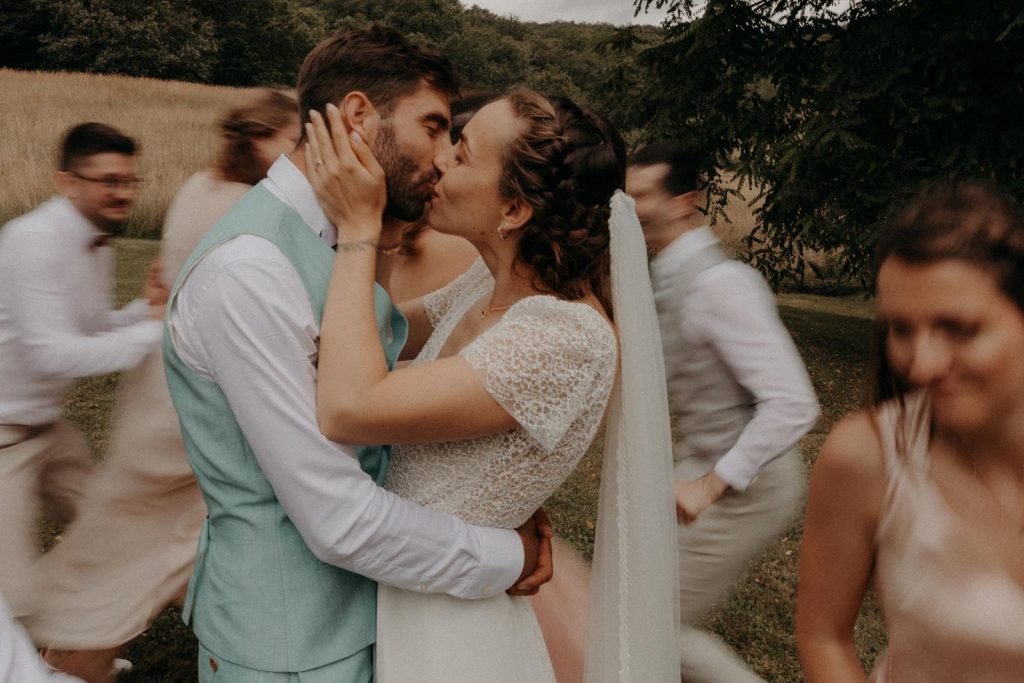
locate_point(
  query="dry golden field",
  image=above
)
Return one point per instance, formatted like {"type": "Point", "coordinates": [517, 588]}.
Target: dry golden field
{"type": "Point", "coordinates": [173, 122]}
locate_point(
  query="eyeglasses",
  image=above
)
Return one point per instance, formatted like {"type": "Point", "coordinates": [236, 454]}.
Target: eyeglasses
{"type": "Point", "coordinates": [113, 183]}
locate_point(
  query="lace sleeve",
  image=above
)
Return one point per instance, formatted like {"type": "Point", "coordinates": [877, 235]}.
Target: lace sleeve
{"type": "Point", "coordinates": [439, 302]}
{"type": "Point", "coordinates": [544, 363]}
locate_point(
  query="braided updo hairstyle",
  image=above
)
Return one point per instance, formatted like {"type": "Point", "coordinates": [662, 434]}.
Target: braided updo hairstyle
{"type": "Point", "coordinates": [566, 165]}
{"type": "Point", "coordinates": [260, 117]}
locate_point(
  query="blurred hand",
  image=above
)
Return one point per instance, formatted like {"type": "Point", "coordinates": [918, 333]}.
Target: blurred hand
{"type": "Point", "coordinates": [154, 289]}
{"type": "Point", "coordinates": [693, 497]}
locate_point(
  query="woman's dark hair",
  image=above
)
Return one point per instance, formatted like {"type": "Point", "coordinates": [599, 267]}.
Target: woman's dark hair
{"type": "Point", "coordinates": [968, 221]}
{"type": "Point", "coordinates": [566, 164]}
{"type": "Point", "coordinates": [261, 117]}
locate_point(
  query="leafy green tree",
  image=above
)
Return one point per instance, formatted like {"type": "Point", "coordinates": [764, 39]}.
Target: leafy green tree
{"type": "Point", "coordinates": [433, 20]}
{"type": "Point", "coordinates": [837, 114]}
{"type": "Point", "coordinates": [21, 23]}
{"type": "Point", "coordinates": [262, 42]}
{"type": "Point", "coordinates": [617, 83]}
{"type": "Point", "coordinates": [160, 39]}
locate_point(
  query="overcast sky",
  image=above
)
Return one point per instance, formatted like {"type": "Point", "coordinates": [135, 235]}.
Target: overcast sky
{"type": "Point", "coordinates": [609, 11]}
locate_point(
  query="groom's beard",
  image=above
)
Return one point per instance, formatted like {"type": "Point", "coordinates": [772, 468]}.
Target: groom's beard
{"type": "Point", "coordinates": [407, 192]}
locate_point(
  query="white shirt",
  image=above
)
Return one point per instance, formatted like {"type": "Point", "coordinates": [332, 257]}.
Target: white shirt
{"type": "Point", "coordinates": [731, 307]}
{"type": "Point", "coordinates": [242, 319]}
{"type": "Point", "coordinates": [56, 320]}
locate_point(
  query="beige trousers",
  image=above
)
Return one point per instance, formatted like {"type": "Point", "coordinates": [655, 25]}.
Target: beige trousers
{"type": "Point", "coordinates": [715, 551]}
{"type": "Point", "coordinates": [130, 551]}
{"type": "Point", "coordinates": [42, 470]}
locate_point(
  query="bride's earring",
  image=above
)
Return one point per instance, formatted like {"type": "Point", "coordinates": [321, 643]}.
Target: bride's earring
{"type": "Point", "coordinates": [502, 231]}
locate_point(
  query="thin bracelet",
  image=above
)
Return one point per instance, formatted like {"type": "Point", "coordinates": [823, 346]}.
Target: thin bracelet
{"type": "Point", "coordinates": [361, 245]}
{"type": "Point", "coordinates": [390, 251]}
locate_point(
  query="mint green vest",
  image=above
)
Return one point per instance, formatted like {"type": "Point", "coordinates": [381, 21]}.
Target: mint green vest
{"type": "Point", "coordinates": [258, 597]}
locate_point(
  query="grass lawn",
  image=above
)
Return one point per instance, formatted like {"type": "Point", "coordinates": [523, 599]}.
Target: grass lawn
{"type": "Point", "coordinates": [757, 620]}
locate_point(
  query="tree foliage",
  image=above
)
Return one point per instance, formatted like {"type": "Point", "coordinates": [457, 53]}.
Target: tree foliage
{"type": "Point", "coordinates": [263, 42]}
{"type": "Point", "coordinates": [157, 38]}
{"type": "Point", "coordinates": [836, 115]}
{"type": "Point", "coordinates": [21, 24]}
{"type": "Point", "coordinates": [830, 113]}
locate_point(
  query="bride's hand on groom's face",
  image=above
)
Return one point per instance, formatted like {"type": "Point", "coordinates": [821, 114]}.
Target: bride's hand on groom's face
{"type": "Point", "coordinates": [348, 181]}
{"type": "Point", "coordinates": [538, 568]}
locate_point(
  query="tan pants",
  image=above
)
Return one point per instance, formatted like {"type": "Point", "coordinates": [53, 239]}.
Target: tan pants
{"type": "Point", "coordinates": [42, 470]}
{"type": "Point", "coordinates": [715, 551]}
{"type": "Point", "coordinates": [131, 548]}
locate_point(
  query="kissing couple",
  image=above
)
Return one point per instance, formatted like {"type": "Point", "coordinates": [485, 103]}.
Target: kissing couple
{"type": "Point", "coordinates": [280, 355]}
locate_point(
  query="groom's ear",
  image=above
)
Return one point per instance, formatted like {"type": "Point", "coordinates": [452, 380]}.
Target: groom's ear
{"type": "Point", "coordinates": [516, 214]}
{"type": "Point", "coordinates": [64, 183]}
{"type": "Point", "coordinates": [359, 115]}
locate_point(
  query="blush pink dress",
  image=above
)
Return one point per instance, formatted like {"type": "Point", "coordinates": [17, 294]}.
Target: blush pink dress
{"type": "Point", "coordinates": [130, 551]}
{"type": "Point", "coordinates": [952, 613]}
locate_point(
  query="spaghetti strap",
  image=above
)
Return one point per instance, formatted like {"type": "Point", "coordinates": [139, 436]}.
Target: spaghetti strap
{"type": "Point", "coordinates": [952, 614]}
{"type": "Point", "coordinates": [904, 427]}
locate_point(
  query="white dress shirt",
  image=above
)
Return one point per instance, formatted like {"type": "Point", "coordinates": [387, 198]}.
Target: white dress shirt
{"type": "Point", "coordinates": [730, 308]}
{"type": "Point", "coordinates": [56, 320]}
{"type": "Point", "coordinates": [242, 319]}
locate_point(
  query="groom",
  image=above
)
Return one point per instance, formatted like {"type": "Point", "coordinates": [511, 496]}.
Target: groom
{"type": "Point", "coordinates": [295, 521]}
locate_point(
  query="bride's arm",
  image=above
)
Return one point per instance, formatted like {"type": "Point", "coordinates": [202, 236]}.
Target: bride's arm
{"type": "Point", "coordinates": [358, 400]}
{"type": "Point", "coordinates": [438, 401]}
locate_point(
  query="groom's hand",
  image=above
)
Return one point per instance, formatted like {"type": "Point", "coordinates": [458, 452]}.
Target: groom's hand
{"type": "Point", "coordinates": [536, 536]}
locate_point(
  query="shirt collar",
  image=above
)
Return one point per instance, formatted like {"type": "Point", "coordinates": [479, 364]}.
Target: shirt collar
{"type": "Point", "coordinates": [286, 182]}
{"type": "Point", "coordinates": [85, 229]}
{"type": "Point", "coordinates": [681, 248]}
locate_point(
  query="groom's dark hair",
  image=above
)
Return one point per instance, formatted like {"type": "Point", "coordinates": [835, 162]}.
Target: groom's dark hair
{"type": "Point", "coordinates": [378, 61]}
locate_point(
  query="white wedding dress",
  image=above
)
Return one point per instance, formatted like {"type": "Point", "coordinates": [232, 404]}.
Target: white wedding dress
{"type": "Point", "coordinates": [551, 364]}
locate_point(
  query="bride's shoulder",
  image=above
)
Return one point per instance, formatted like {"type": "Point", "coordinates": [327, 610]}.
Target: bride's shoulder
{"type": "Point", "coordinates": [475, 275]}
{"type": "Point", "coordinates": [575, 324]}
{"type": "Point", "coordinates": [441, 302]}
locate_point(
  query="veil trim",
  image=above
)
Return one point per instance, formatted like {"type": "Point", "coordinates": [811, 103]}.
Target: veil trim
{"type": "Point", "coordinates": [634, 604]}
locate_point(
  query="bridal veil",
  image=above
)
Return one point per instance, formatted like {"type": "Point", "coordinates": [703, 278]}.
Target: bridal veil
{"type": "Point", "coordinates": [634, 604]}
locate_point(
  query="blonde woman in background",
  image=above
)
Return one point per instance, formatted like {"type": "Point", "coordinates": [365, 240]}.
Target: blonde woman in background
{"type": "Point", "coordinates": [130, 552]}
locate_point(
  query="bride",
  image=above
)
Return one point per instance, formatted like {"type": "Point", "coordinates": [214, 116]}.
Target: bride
{"type": "Point", "coordinates": [514, 366]}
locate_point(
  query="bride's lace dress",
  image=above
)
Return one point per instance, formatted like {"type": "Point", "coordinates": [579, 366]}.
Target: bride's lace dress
{"type": "Point", "coordinates": [551, 364]}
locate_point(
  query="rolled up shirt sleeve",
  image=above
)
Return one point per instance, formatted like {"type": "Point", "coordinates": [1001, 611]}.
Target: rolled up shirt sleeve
{"type": "Point", "coordinates": [252, 330]}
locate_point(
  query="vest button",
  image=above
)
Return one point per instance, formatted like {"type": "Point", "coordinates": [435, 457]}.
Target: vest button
{"type": "Point", "coordinates": [213, 665]}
